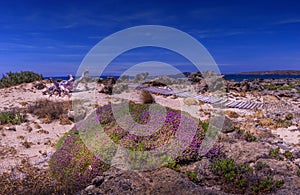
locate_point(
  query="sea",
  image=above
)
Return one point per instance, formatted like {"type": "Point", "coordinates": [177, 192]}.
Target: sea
{"type": "Point", "coordinates": [241, 77]}
{"type": "Point", "coordinates": [235, 77]}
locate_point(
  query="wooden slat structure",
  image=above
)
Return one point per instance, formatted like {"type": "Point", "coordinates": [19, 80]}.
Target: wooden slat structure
{"type": "Point", "coordinates": [200, 97]}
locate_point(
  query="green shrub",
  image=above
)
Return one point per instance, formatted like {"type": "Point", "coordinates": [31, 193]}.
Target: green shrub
{"type": "Point", "coordinates": [275, 87]}
{"type": "Point", "coordinates": [250, 137]}
{"type": "Point", "coordinates": [285, 88]}
{"type": "Point", "coordinates": [275, 153]}
{"type": "Point", "coordinates": [13, 117]}
{"type": "Point", "coordinates": [289, 116]}
{"type": "Point", "coordinates": [242, 179]}
{"type": "Point", "coordinates": [192, 175]}
{"type": "Point", "coordinates": [288, 155]}
{"type": "Point", "coordinates": [205, 126]}
{"type": "Point", "coordinates": [11, 79]}
{"type": "Point", "coordinates": [283, 123]}
{"type": "Point", "coordinates": [270, 87]}
{"type": "Point", "coordinates": [260, 165]}
{"type": "Point", "coordinates": [267, 185]}
{"type": "Point", "coordinates": [228, 169]}
{"type": "Point", "coordinates": [172, 165]}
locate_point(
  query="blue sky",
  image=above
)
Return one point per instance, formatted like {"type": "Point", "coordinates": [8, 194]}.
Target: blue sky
{"type": "Point", "coordinates": [52, 37]}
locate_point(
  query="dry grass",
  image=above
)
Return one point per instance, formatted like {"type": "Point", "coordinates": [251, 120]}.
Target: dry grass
{"type": "Point", "coordinates": [259, 114]}
{"type": "Point", "coordinates": [23, 103]}
{"type": "Point", "coordinates": [267, 122]}
{"type": "Point", "coordinates": [37, 126]}
{"type": "Point", "coordinates": [50, 110]}
{"type": "Point", "coordinates": [231, 114]}
{"type": "Point", "coordinates": [20, 137]}
{"type": "Point", "coordinates": [64, 120]}
{"type": "Point", "coordinates": [27, 144]}
{"type": "Point", "coordinates": [4, 151]}
{"type": "Point", "coordinates": [42, 131]}
{"type": "Point", "coordinates": [146, 97]}
{"type": "Point", "coordinates": [35, 181]}
{"type": "Point", "coordinates": [190, 101]}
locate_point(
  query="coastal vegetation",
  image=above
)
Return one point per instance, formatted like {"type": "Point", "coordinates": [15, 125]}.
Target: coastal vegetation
{"type": "Point", "coordinates": [49, 111]}
{"type": "Point", "coordinates": [15, 78]}
{"type": "Point", "coordinates": [74, 165]}
{"type": "Point", "coordinates": [12, 117]}
{"type": "Point", "coordinates": [275, 87]}
{"type": "Point", "coordinates": [240, 178]}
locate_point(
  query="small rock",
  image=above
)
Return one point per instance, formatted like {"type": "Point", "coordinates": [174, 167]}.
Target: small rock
{"type": "Point", "coordinates": [77, 114]}
{"type": "Point", "coordinates": [227, 126]}
{"type": "Point", "coordinates": [126, 186]}
{"type": "Point", "coordinates": [224, 123]}
{"type": "Point", "coordinates": [190, 101]}
{"type": "Point", "coordinates": [174, 96]}
{"type": "Point", "coordinates": [97, 181]}
{"type": "Point", "coordinates": [11, 128]}
{"type": "Point", "coordinates": [28, 128]}
{"type": "Point", "coordinates": [283, 146]}
{"type": "Point", "coordinates": [297, 162]}
{"type": "Point", "coordinates": [39, 85]}
{"type": "Point", "coordinates": [89, 188]}
{"type": "Point", "coordinates": [231, 114]}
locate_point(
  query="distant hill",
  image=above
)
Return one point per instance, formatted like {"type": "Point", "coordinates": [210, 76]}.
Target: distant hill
{"type": "Point", "coordinates": [273, 72]}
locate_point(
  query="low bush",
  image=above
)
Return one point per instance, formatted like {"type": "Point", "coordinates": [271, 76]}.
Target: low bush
{"type": "Point", "coordinates": [50, 110]}
{"type": "Point", "coordinates": [243, 179]}
{"type": "Point", "coordinates": [267, 185]}
{"type": "Point", "coordinates": [275, 153]}
{"type": "Point", "coordinates": [140, 114]}
{"type": "Point", "coordinates": [250, 137]}
{"type": "Point", "coordinates": [192, 175]}
{"type": "Point", "coordinates": [32, 181]}
{"type": "Point", "coordinates": [73, 164]}
{"type": "Point", "coordinates": [283, 123]}
{"type": "Point", "coordinates": [12, 117]}
{"type": "Point", "coordinates": [261, 165]}
{"type": "Point", "coordinates": [289, 116]}
{"type": "Point", "coordinates": [288, 155]}
{"type": "Point", "coordinates": [11, 78]}
{"type": "Point", "coordinates": [275, 87]}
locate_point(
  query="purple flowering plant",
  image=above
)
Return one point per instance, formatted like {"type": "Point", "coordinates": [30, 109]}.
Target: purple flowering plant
{"type": "Point", "coordinates": [75, 164]}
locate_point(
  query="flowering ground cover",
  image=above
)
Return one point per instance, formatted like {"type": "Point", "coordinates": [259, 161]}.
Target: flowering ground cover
{"type": "Point", "coordinates": [168, 136]}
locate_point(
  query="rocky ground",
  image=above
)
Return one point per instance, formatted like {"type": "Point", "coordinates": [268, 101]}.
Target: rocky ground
{"type": "Point", "coordinates": [268, 136]}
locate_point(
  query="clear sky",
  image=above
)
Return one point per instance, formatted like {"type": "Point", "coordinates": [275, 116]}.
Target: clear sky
{"type": "Point", "coordinates": [52, 37]}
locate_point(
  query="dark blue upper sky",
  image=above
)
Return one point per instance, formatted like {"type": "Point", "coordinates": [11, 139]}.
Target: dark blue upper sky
{"type": "Point", "coordinates": [52, 37]}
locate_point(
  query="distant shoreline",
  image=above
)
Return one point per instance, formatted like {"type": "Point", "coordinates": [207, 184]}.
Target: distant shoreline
{"type": "Point", "coordinates": [228, 77]}
{"type": "Point", "coordinates": [273, 72]}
